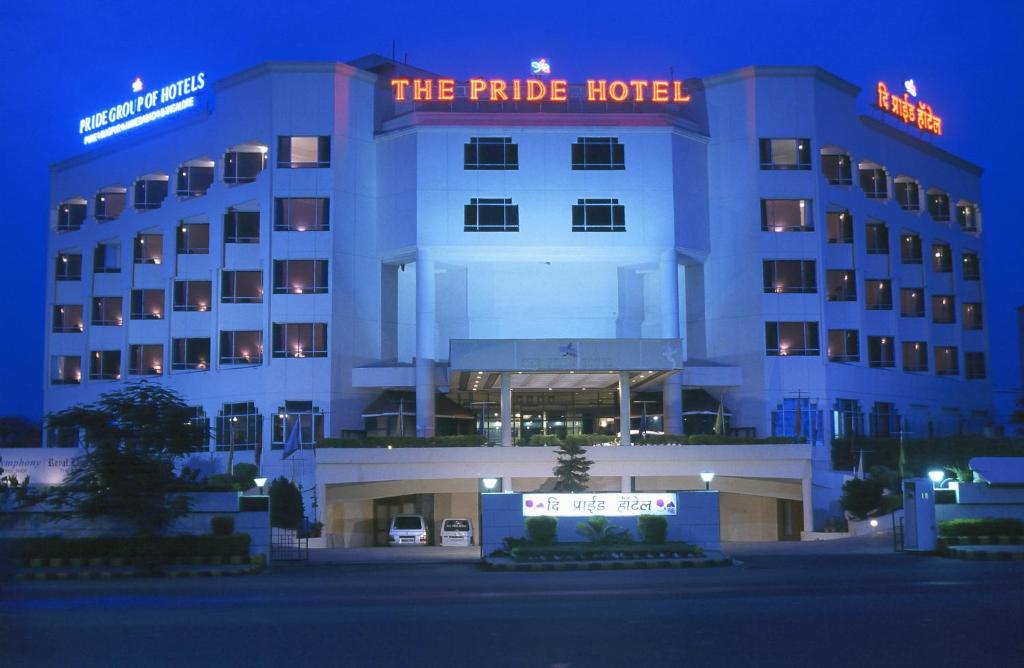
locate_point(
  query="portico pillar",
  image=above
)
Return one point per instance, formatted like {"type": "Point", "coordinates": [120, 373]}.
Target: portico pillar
{"type": "Point", "coordinates": [506, 408]}
{"type": "Point", "coordinates": [624, 408]}
{"type": "Point", "coordinates": [808, 501]}
{"type": "Point", "coordinates": [506, 483]}
{"type": "Point", "coordinates": [672, 388]}
{"type": "Point", "coordinates": [626, 484]}
{"type": "Point", "coordinates": [425, 343]}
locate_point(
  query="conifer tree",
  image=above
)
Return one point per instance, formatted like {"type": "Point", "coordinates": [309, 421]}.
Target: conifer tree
{"type": "Point", "coordinates": [572, 471]}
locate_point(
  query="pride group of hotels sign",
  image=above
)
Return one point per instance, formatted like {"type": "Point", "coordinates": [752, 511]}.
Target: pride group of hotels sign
{"type": "Point", "coordinates": [603, 504]}
{"type": "Point", "coordinates": [142, 108]}
{"type": "Point", "coordinates": [659, 91]}
{"type": "Point", "coordinates": [910, 111]}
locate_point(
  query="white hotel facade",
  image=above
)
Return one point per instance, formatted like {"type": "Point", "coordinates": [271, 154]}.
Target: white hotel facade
{"type": "Point", "coordinates": [301, 247]}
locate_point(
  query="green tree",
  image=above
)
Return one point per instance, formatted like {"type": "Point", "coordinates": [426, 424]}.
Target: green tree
{"type": "Point", "coordinates": [860, 497]}
{"type": "Point", "coordinates": [572, 470]}
{"type": "Point", "coordinates": [286, 509]}
{"type": "Point", "coordinates": [1017, 417]}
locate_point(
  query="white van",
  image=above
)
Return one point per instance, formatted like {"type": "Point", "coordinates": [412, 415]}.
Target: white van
{"type": "Point", "coordinates": [456, 531]}
{"type": "Point", "coordinates": [408, 530]}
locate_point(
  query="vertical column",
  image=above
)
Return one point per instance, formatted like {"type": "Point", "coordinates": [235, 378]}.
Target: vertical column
{"type": "Point", "coordinates": [624, 408]}
{"type": "Point", "coordinates": [808, 500]}
{"type": "Point", "coordinates": [626, 484]}
{"type": "Point", "coordinates": [506, 483]}
{"type": "Point", "coordinates": [425, 342]}
{"type": "Point", "coordinates": [672, 388]}
{"type": "Point", "coordinates": [506, 408]}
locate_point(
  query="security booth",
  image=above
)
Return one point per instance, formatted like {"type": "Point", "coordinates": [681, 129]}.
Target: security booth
{"type": "Point", "coordinates": [919, 513]}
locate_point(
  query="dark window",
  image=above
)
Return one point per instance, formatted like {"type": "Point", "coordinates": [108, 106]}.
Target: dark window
{"type": "Point", "coordinates": [147, 304]}
{"type": "Point", "coordinates": [967, 216]}
{"type": "Point", "coordinates": [598, 215]}
{"type": "Point", "coordinates": [847, 418]}
{"type": "Point", "coordinates": [598, 153]}
{"type": "Point", "coordinates": [491, 153]}
{"type": "Point", "coordinates": [971, 266]}
{"type": "Point", "coordinates": [874, 182]}
{"type": "Point", "coordinates": [193, 238]}
{"type": "Point", "coordinates": [301, 214]}
{"type": "Point", "coordinates": [908, 194]}
{"type": "Point", "coordinates": [912, 302]}
{"type": "Point", "coordinates": [194, 180]}
{"type": "Point", "coordinates": [107, 311]}
{"type": "Point", "coordinates": [62, 437]}
{"type": "Point", "coordinates": [243, 166]}
{"type": "Point", "coordinates": [300, 339]}
{"type": "Point", "coordinates": [106, 258]}
{"type": "Point", "coordinates": [303, 152]}
{"type": "Point", "coordinates": [943, 309]}
{"type": "Point", "coordinates": [841, 285]}
{"type": "Point", "coordinates": [241, 347]}
{"type": "Point", "coordinates": [972, 315]}
{"type": "Point", "coordinates": [974, 365]}
{"type": "Point", "coordinates": [202, 424]}
{"type": "Point", "coordinates": [881, 353]}
{"type": "Point", "coordinates": [67, 319]}
{"type": "Point", "coordinates": [241, 287]}
{"type": "Point", "coordinates": [105, 365]}
{"type": "Point", "coordinates": [69, 267]}
{"type": "Point", "coordinates": [241, 227]}
{"type": "Point", "coordinates": [239, 427]}
{"type": "Point", "coordinates": [145, 359]}
{"type": "Point", "coordinates": [878, 294]}
{"type": "Point", "coordinates": [300, 415]}
{"type": "Point", "coordinates": [843, 345]}
{"type": "Point", "coordinates": [885, 419]}
{"type": "Point", "coordinates": [877, 238]}
{"type": "Point", "coordinates": [839, 227]}
{"type": "Point", "coordinates": [70, 216]}
{"type": "Point", "coordinates": [300, 277]}
{"type": "Point", "coordinates": [786, 215]}
{"type": "Point", "coordinates": [791, 338]}
{"type": "Point", "coordinates": [191, 353]}
{"type": "Point", "coordinates": [65, 370]}
{"type": "Point", "coordinates": [785, 154]}
{"type": "Point", "coordinates": [193, 295]}
{"type": "Point", "coordinates": [915, 356]}
{"type": "Point", "coordinates": [938, 207]}
{"type": "Point", "coordinates": [947, 361]}
{"type": "Point", "coordinates": [491, 215]}
{"type": "Point", "coordinates": [150, 193]}
{"type": "Point", "coordinates": [784, 276]}
{"type": "Point", "coordinates": [942, 258]}
{"type": "Point", "coordinates": [910, 249]}
{"type": "Point", "coordinates": [149, 249]}
{"type": "Point", "coordinates": [110, 204]}
{"type": "Point", "coordinates": [837, 169]}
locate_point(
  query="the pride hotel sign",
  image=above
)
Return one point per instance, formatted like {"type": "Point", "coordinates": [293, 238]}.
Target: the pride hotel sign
{"type": "Point", "coordinates": [538, 90]}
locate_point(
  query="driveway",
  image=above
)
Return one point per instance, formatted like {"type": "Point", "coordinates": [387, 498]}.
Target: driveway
{"type": "Point", "coordinates": [409, 554]}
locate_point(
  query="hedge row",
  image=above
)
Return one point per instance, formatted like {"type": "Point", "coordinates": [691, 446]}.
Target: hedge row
{"type": "Point", "coordinates": [128, 547]}
{"type": "Point", "coordinates": [586, 551]}
{"type": "Point", "coordinates": [476, 440]}
{"type": "Point", "coordinates": [404, 442]}
{"type": "Point", "coordinates": [988, 526]}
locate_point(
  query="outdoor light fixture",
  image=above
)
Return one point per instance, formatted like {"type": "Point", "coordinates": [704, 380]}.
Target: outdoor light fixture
{"type": "Point", "coordinates": [707, 477]}
{"type": "Point", "coordinates": [260, 482]}
{"type": "Point", "coordinates": [937, 477]}
{"type": "Point", "coordinates": [873, 523]}
{"type": "Point", "coordinates": [490, 483]}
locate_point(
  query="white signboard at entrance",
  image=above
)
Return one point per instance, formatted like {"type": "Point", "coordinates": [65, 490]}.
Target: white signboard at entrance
{"type": "Point", "coordinates": [607, 505]}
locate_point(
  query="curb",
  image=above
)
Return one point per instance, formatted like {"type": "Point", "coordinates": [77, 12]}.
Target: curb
{"type": "Point", "coordinates": [982, 555]}
{"type": "Point", "coordinates": [631, 564]}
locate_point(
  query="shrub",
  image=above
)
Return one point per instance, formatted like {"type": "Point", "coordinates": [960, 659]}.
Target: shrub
{"type": "Point", "coordinates": [889, 503]}
{"type": "Point", "coordinates": [599, 531]}
{"type": "Point", "coordinates": [471, 440]}
{"type": "Point", "coordinates": [244, 475]}
{"type": "Point", "coordinates": [653, 529]}
{"type": "Point", "coordinates": [222, 525]}
{"type": "Point", "coordinates": [131, 547]}
{"type": "Point", "coordinates": [589, 439]}
{"type": "Point", "coordinates": [860, 497]}
{"type": "Point", "coordinates": [286, 511]}
{"type": "Point", "coordinates": [541, 530]}
{"type": "Point", "coordinates": [988, 526]}
{"type": "Point", "coordinates": [545, 439]}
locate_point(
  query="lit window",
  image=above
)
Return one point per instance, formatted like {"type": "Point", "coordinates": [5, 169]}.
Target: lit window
{"type": "Point", "coordinates": [847, 418]}
{"type": "Point", "coordinates": [149, 249]}
{"type": "Point", "coordinates": [145, 359]}
{"type": "Point", "coordinates": [194, 178]}
{"type": "Point", "coordinates": [65, 370]}
{"type": "Point", "coordinates": [912, 302]}
{"type": "Point", "coordinates": [300, 339]}
{"type": "Point", "coordinates": [491, 215]}
{"type": "Point", "coordinates": [971, 266]}
{"type": "Point", "coordinates": [841, 285]}
{"type": "Point", "coordinates": [239, 427]}
{"type": "Point", "coordinates": [202, 424]}
{"type": "Point", "coordinates": [938, 206]}
{"type": "Point", "coordinates": [791, 338]}
{"type": "Point", "coordinates": [967, 216]}
{"type": "Point", "coordinates": [301, 415]}
{"type": "Point", "coordinates": [243, 163]}
{"type": "Point", "coordinates": [106, 311]}
{"type": "Point", "coordinates": [881, 353]}
{"type": "Point", "coordinates": [790, 276]}
{"type": "Point", "coordinates": [598, 153]}
{"type": "Point", "coordinates": [193, 295]}
{"type": "Point", "coordinates": [241, 227]}
{"type": "Point", "coordinates": [300, 277]}
{"type": "Point", "coordinates": [843, 345]}
{"type": "Point", "coordinates": [785, 154]}
{"type": "Point", "coordinates": [874, 181]}
{"type": "Point", "coordinates": [110, 203]}
{"type": "Point", "coordinates": [943, 309]}
{"type": "Point", "coordinates": [150, 191]}
{"type": "Point", "coordinates": [147, 304]}
{"type": "Point", "coordinates": [241, 287]}
{"type": "Point", "coordinates": [105, 365]}
{"type": "Point", "coordinates": [915, 356]}
{"type": "Point", "coordinates": [837, 168]}
{"type": "Point", "coordinates": [241, 347]}
{"type": "Point", "coordinates": [301, 214]}
{"type": "Point", "coordinates": [876, 238]}
{"type": "Point", "coordinates": [947, 361]}
{"type": "Point", "coordinates": [190, 354]}
{"type": "Point", "coordinates": [878, 294]}
{"type": "Point", "coordinates": [786, 215]}
{"type": "Point", "coordinates": [67, 319]}
{"type": "Point", "coordinates": [69, 267]}
{"type": "Point", "coordinates": [942, 258]}
{"type": "Point", "coordinates": [70, 215]}
{"type": "Point", "coordinates": [839, 227]}
{"type": "Point", "coordinates": [303, 152]}
{"type": "Point", "coordinates": [193, 238]}
{"type": "Point", "coordinates": [972, 315]}
{"type": "Point", "coordinates": [598, 215]}
{"type": "Point", "coordinates": [908, 193]}
{"type": "Point", "coordinates": [910, 249]}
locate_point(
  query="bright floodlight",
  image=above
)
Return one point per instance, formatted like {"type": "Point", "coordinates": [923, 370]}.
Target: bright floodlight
{"type": "Point", "coordinates": [873, 523]}
{"type": "Point", "coordinates": [707, 477]}
{"type": "Point", "coordinates": [490, 483]}
{"type": "Point", "coordinates": [936, 476]}
{"type": "Point", "coordinates": [260, 482]}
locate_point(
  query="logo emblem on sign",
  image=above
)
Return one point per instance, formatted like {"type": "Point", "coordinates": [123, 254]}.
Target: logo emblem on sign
{"type": "Point", "coordinates": [137, 85]}
{"type": "Point", "coordinates": [540, 66]}
{"type": "Point", "coordinates": [911, 87]}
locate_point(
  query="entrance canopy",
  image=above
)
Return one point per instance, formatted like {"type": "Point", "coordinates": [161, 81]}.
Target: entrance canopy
{"type": "Point", "coordinates": [566, 355]}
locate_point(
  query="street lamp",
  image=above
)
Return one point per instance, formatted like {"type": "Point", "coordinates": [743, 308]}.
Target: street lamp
{"type": "Point", "coordinates": [489, 484]}
{"type": "Point", "coordinates": [707, 477]}
{"type": "Point", "coordinates": [260, 482]}
{"type": "Point", "coordinates": [937, 477]}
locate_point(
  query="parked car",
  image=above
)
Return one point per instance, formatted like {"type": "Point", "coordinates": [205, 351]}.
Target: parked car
{"type": "Point", "coordinates": [408, 530]}
{"type": "Point", "coordinates": [456, 531]}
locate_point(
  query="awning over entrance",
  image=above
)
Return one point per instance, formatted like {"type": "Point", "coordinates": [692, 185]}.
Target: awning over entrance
{"type": "Point", "coordinates": [563, 355]}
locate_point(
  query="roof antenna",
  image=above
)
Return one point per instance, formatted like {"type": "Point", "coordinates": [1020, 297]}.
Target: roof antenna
{"type": "Point", "coordinates": [406, 61]}
{"type": "Point", "coordinates": [392, 50]}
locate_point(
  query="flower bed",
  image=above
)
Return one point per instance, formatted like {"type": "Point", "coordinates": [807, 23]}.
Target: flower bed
{"type": "Point", "coordinates": [590, 552]}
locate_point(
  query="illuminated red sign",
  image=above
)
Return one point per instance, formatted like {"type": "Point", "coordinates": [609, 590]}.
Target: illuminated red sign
{"type": "Point", "coordinates": [904, 109]}
{"type": "Point", "coordinates": [536, 90]}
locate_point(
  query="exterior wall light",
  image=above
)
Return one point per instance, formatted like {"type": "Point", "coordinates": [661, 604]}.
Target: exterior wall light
{"type": "Point", "coordinates": [489, 484]}
{"type": "Point", "coordinates": [707, 477]}
{"type": "Point", "coordinates": [937, 476]}
{"type": "Point", "coordinates": [260, 482]}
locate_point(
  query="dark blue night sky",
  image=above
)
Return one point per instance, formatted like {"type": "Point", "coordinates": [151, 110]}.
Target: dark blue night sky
{"type": "Point", "coordinates": [64, 59]}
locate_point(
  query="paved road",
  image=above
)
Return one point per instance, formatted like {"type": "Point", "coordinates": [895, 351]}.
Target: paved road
{"type": "Point", "coordinates": [795, 605]}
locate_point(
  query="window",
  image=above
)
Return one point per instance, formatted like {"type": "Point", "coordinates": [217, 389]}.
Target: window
{"type": "Point", "coordinates": [145, 359]}
{"type": "Point", "coordinates": [69, 267]}
{"type": "Point", "coordinates": [874, 181]}
{"type": "Point", "coordinates": [193, 239]}
{"type": "Point", "coordinates": [972, 315]}
{"type": "Point", "coordinates": [490, 153]}
{"type": "Point", "coordinates": [147, 304]}
{"type": "Point", "coordinates": [910, 249]}
{"type": "Point", "coordinates": [106, 257]}
{"type": "Point", "coordinates": [67, 319]}
{"type": "Point", "coordinates": [785, 154]}
{"type": "Point", "coordinates": [110, 203]}
{"type": "Point", "coordinates": [908, 193]}
{"type": "Point", "coordinates": [301, 415]}
{"type": "Point", "coordinates": [878, 294]}
{"type": "Point", "coordinates": [840, 227]}
{"type": "Point", "coordinates": [491, 215]}
{"type": "Point", "coordinates": [243, 164]}
{"type": "Point", "coordinates": [598, 153]}
{"type": "Point", "coordinates": [598, 215]}
{"type": "Point", "coordinates": [885, 419]}
{"type": "Point", "coordinates": [241, 347]}
{"type": "Point", "coordinates": [877, 238]}
{"type": "Point", "coordinates": [301, 214]}
{"type": "Point", "coordinates": [881, 353]}
{"type": "Point", "coordinates": [843, 345]}
{"type": "Point", "coordinates": [202, 424]}
{"type": "Point", "coordinates": [912, 302]}
{"type": "Point", "coordinates": [785, 276]}
{"type": "Point", "coordinates": [65, 370]}
{"type": "Point", "coordinates": [70, 215]}
{"type": "Point", "coordinates": [915, 356]}
{"type": "Point", "coordinates": [786, 215]}
{"type": "Point", "coordinates": [193, 295]}
{"type": "Point", "coordinates": [191, 353]}
{"type": "Point", "coordinates": [947, 361]}
{"type": "Point", "coordinates": [150, 192]}
{"type": "Point", "coordinates": [791, 338]}
{"type": "Point", "coordinates": [241, 227]}
{"type": "Point", "coordinates": [943, 309]}
{"type": "Point", "coordinates": [974, 365]}
{"type": "Point", "coordinates": [149, 249]}
{"type": "Point", "coordinates": [239, 427]}
{"type": "Point", "coordinates": [62, 437]}
{"type": "Point", "coordinates": [194, 178]}
{"type": "Point", "coordinates": [938, 206]}
{"type": "Point", "coordinates": [847, 418]}
{"type": "Point", "coordinates": [105, 365]}
{"type": "Point", "coordinates": [107, 311]}
{"type": "Point", "coordinates": [841, 285]}
{"type": "Point", "coordinates": [837, 170]}
{"type": "Point", "coordinates": [300, 277]}
{"type": "Point", "coordinates": [241, 287]}
{"type": "Point", "coordinates": [303, 152]}
{"type": "Point", "coordinates": [808, 427]}
{"type": "Point", "coordinates": [942, 258]}
{"type": "Point", "coordinates": [971, 266]}
{"type": "Point", "coordinates": [300, 339]}
{"type": "Point", "coordinates": [967, 217]}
